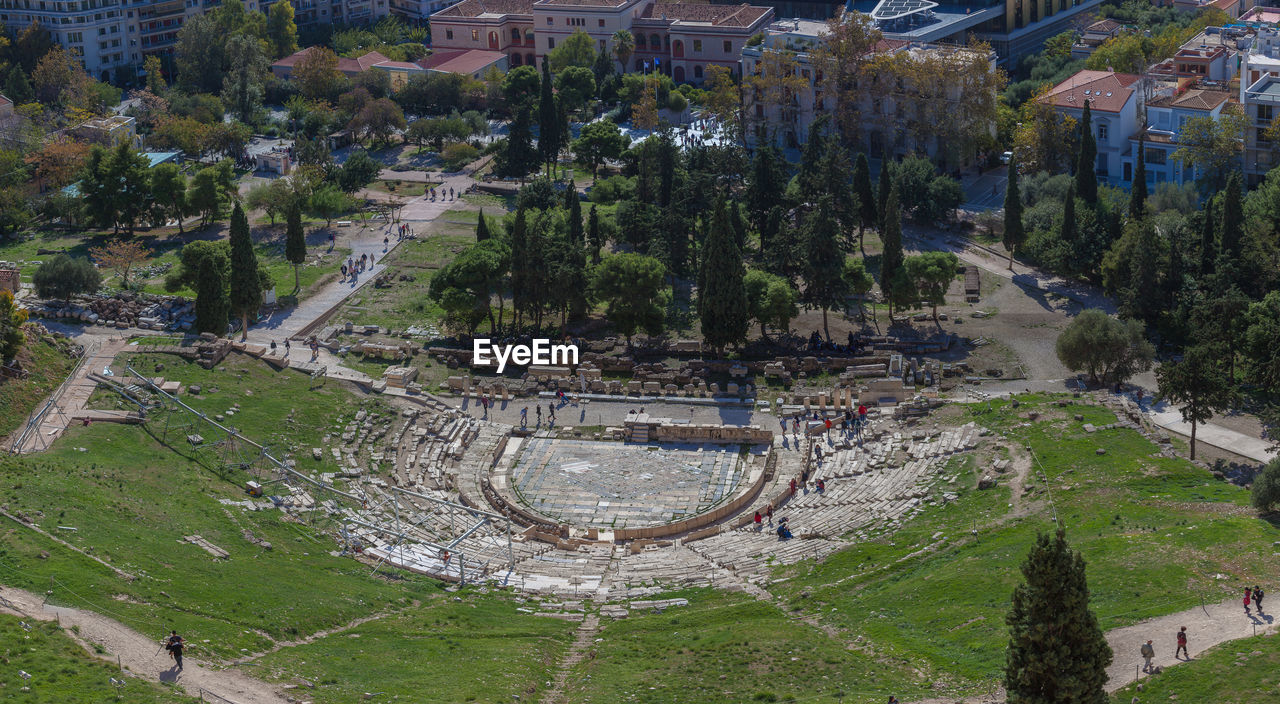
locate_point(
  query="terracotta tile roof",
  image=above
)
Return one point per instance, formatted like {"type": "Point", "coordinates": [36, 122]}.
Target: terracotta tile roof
{"type": "Point", "coordinates": [475, 8]}
{"type": "Point", "coordinates": [5, 101]}
{"type": "Point", "coordinates": [466, 61]}
{"type": "Point", "coordinates": [1106, 91]}
{"type": "Point", "coordinates": [888, 46]}
{"type": "Point", "coordinates": [584, 3]}
{"type": "Point", "coordinates": [1194, 99]}
{"type": "Point", "coordinates": [345, 65]}
{"type": "Point", "coordinates": [743, 15]}
{"type": "Point", "coordinates": [398, 64]}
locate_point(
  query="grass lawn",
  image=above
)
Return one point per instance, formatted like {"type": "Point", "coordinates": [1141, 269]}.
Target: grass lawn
{"type": "Point", "coordinates": [131, 501]}
{"type": "Point", "coordinates": [1153, 530]}
{"type": "Point", "coordinates": [62, 672]}
{"type": "Point", "coordinates": [728, 647]}
{"type": "Point", "coordinates": [479, 649]}
{"type": "Point", "coordinates": [48, 364]}
{"type": "Point", "coordinates": [405, 303]}
{"type": "Point", "coordinates": [1239, 672]}
{"type": "Point", "coordinates": [408, 189]}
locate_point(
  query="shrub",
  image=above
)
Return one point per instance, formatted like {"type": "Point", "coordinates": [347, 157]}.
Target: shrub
{"type": "Point", "coordinates": [458, 155]}
{"type": "Point", "coordinates": [611, 190]}
{"type": "Point", "coordinates": [1266, 487]}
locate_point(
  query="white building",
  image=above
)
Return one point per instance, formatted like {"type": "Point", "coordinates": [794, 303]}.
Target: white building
{"type": "Point", "coordinates": [1115, 104]}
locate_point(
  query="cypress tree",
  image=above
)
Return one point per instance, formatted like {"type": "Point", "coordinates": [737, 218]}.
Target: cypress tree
{"type": "Point", "coordinates": [520, 157]}
{"type": "Point", "coordinates": [892, 259]}
{"type": "Point", "coordinates": [766, 183]}
{"type": "Point", "coordinates": [824, 284]}
{"type": "Point", "coordinates": [739, 226]}
{"type": "Point", "coordinates": [1067, 235]}
{"type": "Point", "coordinates": [866, 197]}
{"type": "Point", "coordinates": [482, 227]}
{"type": "Point", "coordinates": [548, 121]}
{"type": "Point", "coordinates": [1138, 193]}
{"type": "Point", "coordinates": [1057, 653]}
{"type": "Point", "coordinates": [1231, 232]}
{"type": "Point", "coordinates": [774, 248]}
{"type": "Point", "coordinates": [594, 235]}
{"type": "Point", "coordinates": [520, 288]}
{"type": "Point", "coordinates": [885, 185]}
{"type": "Point", "coordinates": [1175, 272]}
{"type": "Point", "coordinates": [246, 287]}
{"type": "Point", "coordinates": [1208, 240]}
{"type": "Point", "coordinates": [295, 243]}
{"type": "Point", "coordinates": [667, 154]}
{"type": "Point", "coordinates": [1014, 233]}
{"type": "Point", "coordinates": [809, 178]}
{"type": "Point", "coordinates": [211, 296]}
{"type": "Point", "coordinates": [1087, 163]}
{"type": "Point", "coordinates": [722, 297]}
{"type": "Point", "coordinates": [576, 235]}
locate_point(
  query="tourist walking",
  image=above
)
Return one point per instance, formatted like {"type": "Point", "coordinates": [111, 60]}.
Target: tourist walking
{"type": "Point", "coordinates": [793, 486]}
{"type": "Point", "coordinates": [1182, 644]}
{"type": "Point", "coordinates": [538, 410]}
{"type": "Point", "coordinates": [524, 417]}
{"type": "Point", "coordinates": [175, 645]}
{"type": "Point", "coordinates": [386, 242]}
{"type": "Point", "coordinates": [822, 486]}
{"type": "Point", "coordinates": [758, 520]}
{"type": "Point", "coordinates": [1148, 652]}
{"type": "Point", "coordinates": [768, 511]}
{"type": "Point", "coordinates": [1248, 595]}
{"type": "Point", "coordinates": [1257, 598]}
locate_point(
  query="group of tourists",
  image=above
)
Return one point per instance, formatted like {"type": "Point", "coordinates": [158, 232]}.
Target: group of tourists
{"type": "Point", "coordinates": [443, 192]}
{"type": "Point", "coordinates": [354, 267]}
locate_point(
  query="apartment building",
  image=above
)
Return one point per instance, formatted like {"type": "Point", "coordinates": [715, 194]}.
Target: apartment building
{"type": "Point", "coordinates": [895, 114]}
{"type": "Point", "coordinates": [1115, 103]}
{"type": "Point", "coordinates": [1167, 115]}
{"type": "Point", "coordinates": [109, 36]}
{"type": "Point", "coordinates": [681, 40]}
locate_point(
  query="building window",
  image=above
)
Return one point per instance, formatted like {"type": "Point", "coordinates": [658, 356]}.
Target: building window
{"type": "Point", "coordinates": [1156, 157]}
{"type": "Point", "coordinates": [697, 46]}
{"type": "Point", "coordinates": [551, 42]}
{"type": "Point", "coordinates": [1264, 113]}
{"type": "Point", "coordinates": [1102, 132]}
{"type": "Point", "coordinates": [515, 35]}
{"type": "Point", "coordinates": [600, 23]}
{"type": "Point", "coordinates": [475, 35]}
{"type": "Point", "coordinates": [728, 47]}
{"type": "Point", "coordinates": [697, 71]}
{"type": "Point", "coordinates": [550, 21]}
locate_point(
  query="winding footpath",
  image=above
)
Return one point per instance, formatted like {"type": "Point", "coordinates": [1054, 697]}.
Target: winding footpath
{"type": "Point", "coordinates": [140, 655]}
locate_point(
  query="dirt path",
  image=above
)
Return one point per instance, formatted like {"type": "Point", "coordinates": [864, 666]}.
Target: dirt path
{"type": "Point", "coordinates": [140, 654]}
{"type": "Point", "coordinates": [585, 638]}
{"type": "Point", "coordinates": [1206, 627]}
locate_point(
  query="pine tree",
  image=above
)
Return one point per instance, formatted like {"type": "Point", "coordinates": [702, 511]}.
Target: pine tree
{"type": "Point", "coordinates": [548, 121]}
{"type": "Point", "coordinates": [1138, 193]}
{"type": "Point", "coordinates": [246, 287]}
{"type": "Point", "coordinates": [1086, 164]}
{"type": "Point", "coordinates": [482, 227]}
{"type": "Point", "coordinates": [594, 236]}
{"type": "Point", "coordinates": [882, 190]}
{"type": "Point", "coordinates": [1014, 233]}
{"type": "Point", "coordinates": [722, 297]}
{"type": "Point", "coordinates": [211, 296]}
{"type": "Point", "coordinates": [295, 243]}
{"type": "Point", "coordinates": [1231, 232]}
{"type": "Point", "coordinates": [866, 197]}
{"type": "Point", "coordinates": [891, 260]}
{"type": "Point", "coordinates": [1057, 653]}
{"type": "Point", "coordinates": [824, 284]}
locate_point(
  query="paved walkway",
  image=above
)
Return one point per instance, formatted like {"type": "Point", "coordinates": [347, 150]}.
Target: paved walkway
{"type": "Point", "coordinates": [1169, 418]}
